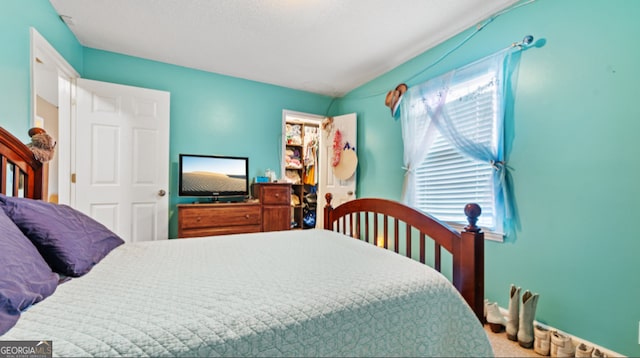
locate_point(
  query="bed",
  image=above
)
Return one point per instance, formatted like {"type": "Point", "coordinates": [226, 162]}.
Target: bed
{"type": "Point", "coordinates": [346, 290]}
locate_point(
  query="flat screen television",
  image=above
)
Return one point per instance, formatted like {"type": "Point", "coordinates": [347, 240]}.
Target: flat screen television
{"type": "Point", "coordinates": [213, 176]}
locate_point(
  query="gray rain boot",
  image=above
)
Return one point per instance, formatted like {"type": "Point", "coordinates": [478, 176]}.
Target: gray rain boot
{"type": "Point", "coordinates": [527, 315]}
{"type": "Point", "coordinates": [512, 320]}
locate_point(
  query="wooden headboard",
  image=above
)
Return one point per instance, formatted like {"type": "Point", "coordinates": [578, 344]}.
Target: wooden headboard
{"type": "Point", "coordinates": [20, 173]}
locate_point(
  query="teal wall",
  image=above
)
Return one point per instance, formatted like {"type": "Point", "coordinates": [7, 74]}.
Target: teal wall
{"type": "Point", "coordinates": [16, 18]}
{"type": "Point", "coordinates": [574, 155]}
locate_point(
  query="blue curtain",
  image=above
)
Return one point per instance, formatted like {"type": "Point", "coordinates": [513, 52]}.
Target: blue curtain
{"type": "Point", "coordinates": [426, 103]}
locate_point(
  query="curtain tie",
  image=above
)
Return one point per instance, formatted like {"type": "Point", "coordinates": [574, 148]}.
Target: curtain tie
{"type": "Point", "coordinates": [407, 170]}
{"type": "Point", "coordinates": [497, 165]}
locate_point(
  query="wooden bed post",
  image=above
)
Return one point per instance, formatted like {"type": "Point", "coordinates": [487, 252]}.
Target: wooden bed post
{"type": "Point", "coordinates": [469, 266]}
{"type": "Point", "coordinates": [327, 211]}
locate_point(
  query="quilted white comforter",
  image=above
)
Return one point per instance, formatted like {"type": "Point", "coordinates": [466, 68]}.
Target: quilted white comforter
{"type": "Point", "coordinates": [292, 293]}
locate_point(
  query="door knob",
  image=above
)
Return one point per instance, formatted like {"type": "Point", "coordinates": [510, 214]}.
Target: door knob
{"type": "Point", "coordinates": [161, 192]}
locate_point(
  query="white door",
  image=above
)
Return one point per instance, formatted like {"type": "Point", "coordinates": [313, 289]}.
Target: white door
{"type": "Point", "coordinates": [122, 158]}
{"type": "Point", "coordinates": [342, 190]}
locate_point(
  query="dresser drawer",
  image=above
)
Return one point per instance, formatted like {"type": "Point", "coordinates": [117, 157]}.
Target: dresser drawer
{"type": "Point", "coordinates": [213, 217]}
{"type": "Point", "coordinates": [218, 219]}
{"type": "Point", "coordinates": [275, 195]}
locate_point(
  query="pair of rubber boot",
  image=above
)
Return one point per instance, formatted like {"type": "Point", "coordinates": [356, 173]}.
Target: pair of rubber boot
{"type": "Point", "coordinates": [519, 322]}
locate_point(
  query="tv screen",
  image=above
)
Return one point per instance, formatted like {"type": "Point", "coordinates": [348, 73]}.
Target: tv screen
{"type": "Point", "coordinates": [213, 175]}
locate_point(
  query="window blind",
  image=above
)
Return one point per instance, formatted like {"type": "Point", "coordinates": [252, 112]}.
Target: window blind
{"type": "Point", "coordinates": [447, 180]}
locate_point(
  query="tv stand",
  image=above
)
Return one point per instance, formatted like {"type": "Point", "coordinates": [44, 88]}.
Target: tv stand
{"type": "Point", "coordinates": [271, 212]}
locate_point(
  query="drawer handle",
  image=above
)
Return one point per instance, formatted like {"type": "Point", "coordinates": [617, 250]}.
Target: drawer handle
{"type": "Point", "coordinates": [277, 195]}
{"type": "Point", "coordinates": [246, 216]}
{"type": "Point", "coordinates": [198, 219]}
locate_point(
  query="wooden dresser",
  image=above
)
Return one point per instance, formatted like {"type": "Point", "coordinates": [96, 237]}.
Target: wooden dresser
{"type": "Point", "coordinates": [271, 212]}
{"type": "Point", "coordinates": [275, 199]}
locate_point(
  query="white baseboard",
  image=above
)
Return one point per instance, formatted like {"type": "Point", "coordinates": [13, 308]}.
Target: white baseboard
{"type": "Point", "coordinates": [575, 340]}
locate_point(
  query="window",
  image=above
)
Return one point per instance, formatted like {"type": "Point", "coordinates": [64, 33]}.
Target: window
{"type": "Point", "coordinates": [455, 121]}
{"type": "Point", "coordinates": [447, 179]}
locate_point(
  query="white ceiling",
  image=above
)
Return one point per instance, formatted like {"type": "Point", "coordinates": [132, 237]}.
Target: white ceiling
{"type": "Point", "coordinates": [322, 46]}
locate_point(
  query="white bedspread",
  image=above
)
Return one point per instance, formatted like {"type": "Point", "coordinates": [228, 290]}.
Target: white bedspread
{"type": "Point", "coordinates": [293, 293]}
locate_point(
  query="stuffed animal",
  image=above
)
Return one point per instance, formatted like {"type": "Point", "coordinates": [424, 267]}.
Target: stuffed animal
{"type": "Point", "coordinates": [42, 144]}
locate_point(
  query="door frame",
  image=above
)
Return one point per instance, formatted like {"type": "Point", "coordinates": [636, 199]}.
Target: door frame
{"type": "Point", "coordinates": [42, 51]}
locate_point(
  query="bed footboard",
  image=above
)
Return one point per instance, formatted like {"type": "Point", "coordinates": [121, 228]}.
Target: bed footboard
{"type": "Point", "coordinates": [385, 222]}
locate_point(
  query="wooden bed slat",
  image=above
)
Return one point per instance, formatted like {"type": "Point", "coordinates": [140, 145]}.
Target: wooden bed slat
{"type": "Point", "coordinates": [3, 174]}
{"type": "Point", "coordinates": [375, 229]}
{"type": "Point", "coordinates": [386, 232]}
{"type": "Point", "coordinates": [437, 249]}
{"type": "Point", "coordinates": [408, 238]}
{"type": "Point", "coordinates": [16, 181]}
{"type": "Point", "coordinates": [422, 248]}
{"type": "Point", "coordinates": [396, 238]}
{"type": "Point", "coordinates": [366, 226]}
{"type": "Point", "coordinates": [466, 248]}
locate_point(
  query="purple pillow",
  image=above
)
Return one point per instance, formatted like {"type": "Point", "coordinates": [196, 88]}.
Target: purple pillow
{"type": "Point", "coordinates": [70, 241]}
{"type": "Point", "coordinates": [25, 278]}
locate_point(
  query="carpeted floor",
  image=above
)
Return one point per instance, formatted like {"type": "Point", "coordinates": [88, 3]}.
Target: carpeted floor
{"type": "Point", "coordinates": [502, 347]}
